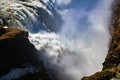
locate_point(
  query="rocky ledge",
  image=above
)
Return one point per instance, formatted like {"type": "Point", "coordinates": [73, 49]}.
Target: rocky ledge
{"type": "Point", "coordinates": [18, 58]}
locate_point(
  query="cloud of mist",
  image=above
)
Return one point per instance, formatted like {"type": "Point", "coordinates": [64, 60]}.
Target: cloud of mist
{"type": "Point", "coordinates": [81, 46]}
{"type": "Point", "coordinates": [87, 34]}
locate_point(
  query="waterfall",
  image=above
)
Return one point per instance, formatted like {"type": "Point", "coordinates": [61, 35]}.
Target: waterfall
{"type": "Point", "coordinates": [71, 36]}
{"type": "Point", "coordinates": [32, 15]}
{"type": "Point", "coordinates": [78, 49]}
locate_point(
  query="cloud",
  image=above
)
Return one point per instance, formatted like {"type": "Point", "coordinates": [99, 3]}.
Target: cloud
{"type": "Point", "coordinates": [63, 2]}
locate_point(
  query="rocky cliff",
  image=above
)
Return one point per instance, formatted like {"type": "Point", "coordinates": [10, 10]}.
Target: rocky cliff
{"type": "Point", "coordinates": [18, 58]}
{"type": "Point", "coordinates": [111, 67]}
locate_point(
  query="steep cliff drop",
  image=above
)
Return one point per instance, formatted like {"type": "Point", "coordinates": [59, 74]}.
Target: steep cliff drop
{"type": "Point", "coordinates": [68, 38]}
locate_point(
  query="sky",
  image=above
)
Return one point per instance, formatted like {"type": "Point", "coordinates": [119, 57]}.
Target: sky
{"type": "Point", "coordinates": [79, 10]}
{"type": "Point", "coordinates": [83, 4]}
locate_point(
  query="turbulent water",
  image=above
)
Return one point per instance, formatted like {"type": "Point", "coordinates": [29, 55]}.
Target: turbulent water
{"type": "Point", "coordinates": [71, 36]}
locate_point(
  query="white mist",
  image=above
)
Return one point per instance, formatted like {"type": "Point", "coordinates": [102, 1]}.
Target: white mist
{"type": "Point", "coordinates": [77, 50]}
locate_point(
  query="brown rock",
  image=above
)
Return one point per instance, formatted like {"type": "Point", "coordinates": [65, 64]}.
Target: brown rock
{"type": "Point", "coordinates": [107, 74]}
{"type": "Point", "coordinates": [16, 50]}
{"type": "Point", "coordinates": [15, 47]}
{"type": "Point", "coordinates": [113, 57]}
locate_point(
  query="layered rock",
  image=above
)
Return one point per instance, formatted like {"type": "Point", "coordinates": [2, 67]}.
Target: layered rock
{"type": "Point", "coordinates": [111, 66]}
{"type": "Point", "coordinates": [16, 52]}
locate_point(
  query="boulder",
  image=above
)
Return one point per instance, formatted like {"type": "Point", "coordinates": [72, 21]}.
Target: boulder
{"type": "Point", "coordinates": [15, 47]}
{"type": "Point", "coordinates": [16, 52]}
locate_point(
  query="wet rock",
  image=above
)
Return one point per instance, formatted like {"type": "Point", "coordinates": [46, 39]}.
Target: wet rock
{"type": "Point", "coordinates": [16, 52]}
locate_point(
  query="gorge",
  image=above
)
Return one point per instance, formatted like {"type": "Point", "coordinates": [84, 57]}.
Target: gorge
{"type": "Point", "coordinates": [63, 40]}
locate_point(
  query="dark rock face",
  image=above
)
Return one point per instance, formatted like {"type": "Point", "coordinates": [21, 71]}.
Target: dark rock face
{"type": "Point", "coordinates": [113, 57]}
{"type": "Point", "coordinates": [111, 66]}
{"type": "Point", "coordinates": [16, 51]}
{"type": "Point", "coordinates": [108, 74]}
{"type": "Point", "coordinates": [15, 47]}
